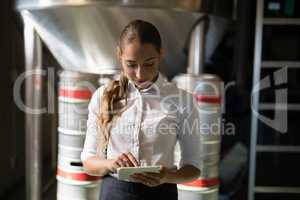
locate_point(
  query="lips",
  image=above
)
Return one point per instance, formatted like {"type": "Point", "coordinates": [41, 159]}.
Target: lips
{"type": "Point", "coordinates": [140, 82]}
{"type": "Point", "coordinates": [143, 84]}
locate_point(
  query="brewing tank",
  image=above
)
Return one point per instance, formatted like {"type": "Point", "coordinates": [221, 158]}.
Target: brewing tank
{"type": "Point", "coordinates": [82, 34]}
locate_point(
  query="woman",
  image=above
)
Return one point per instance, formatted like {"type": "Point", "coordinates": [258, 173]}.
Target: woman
{"type": "Point", "coordinates": [139, 118]}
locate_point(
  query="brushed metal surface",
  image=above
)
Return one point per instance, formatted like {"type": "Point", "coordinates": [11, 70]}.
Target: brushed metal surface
{"type": "Point", "coordinates": [84, 39]}
{"type": "Point", "coordinates": [82, 34]}
{"type": "Point", "coordinates": [217, 7]}
{"type": "Point", "coordinates": [33, 99]}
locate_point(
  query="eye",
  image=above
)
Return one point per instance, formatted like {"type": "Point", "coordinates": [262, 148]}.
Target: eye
{"type": "Point", "coordinates": [150, 64]}
{"type": "Point", "coordinates": [131, 65]}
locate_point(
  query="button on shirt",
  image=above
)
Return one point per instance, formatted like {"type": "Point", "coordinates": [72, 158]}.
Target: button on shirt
{"type": "Point", "coordinates": [153, 120]}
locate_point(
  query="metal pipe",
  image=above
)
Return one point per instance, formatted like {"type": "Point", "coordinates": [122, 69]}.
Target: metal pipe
{"type": "Point", "coordinates": [255, 97]}
{"type": "Point", "coordinates": [196, 55]}
{"type": "Point", "coordinates": [52, 110]}
{"type": "Point", "coordinates": [33, 98]}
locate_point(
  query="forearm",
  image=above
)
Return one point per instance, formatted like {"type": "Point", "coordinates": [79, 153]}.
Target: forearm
{"type": "Point", "coordinates": [184, 174]}
{"type": "Point", "coordinates": [96, 166]}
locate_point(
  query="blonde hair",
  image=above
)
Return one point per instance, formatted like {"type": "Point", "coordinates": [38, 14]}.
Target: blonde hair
{"type": "Point", "coordinates": [112, 94]}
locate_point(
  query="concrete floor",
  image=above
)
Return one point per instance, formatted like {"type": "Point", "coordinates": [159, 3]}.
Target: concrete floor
{"type": "Point", "coordinates": [17, 192]}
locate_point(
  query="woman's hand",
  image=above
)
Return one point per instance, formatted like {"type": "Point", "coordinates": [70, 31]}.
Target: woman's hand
{"type": "Point", "coordinates": [151, 179]}
{"type": "Point", "coordinates": [124, 160]}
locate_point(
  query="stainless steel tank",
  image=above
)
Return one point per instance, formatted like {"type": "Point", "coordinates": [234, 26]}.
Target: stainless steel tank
{"type": "Point", "coordinates": [82, 34]}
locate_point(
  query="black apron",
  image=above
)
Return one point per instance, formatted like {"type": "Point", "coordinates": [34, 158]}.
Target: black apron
{"type": "Point", "coordinates": [114, 189]}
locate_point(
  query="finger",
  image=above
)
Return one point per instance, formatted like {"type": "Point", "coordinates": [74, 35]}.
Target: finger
{"type": "Point", "coordinates": [134, 178]}
{"type": "Point", "coordinates": [152, 177]}
{"type": "Point", "coordinates": [120, 163]}
{"type": "Point", "coordinates": [128, 160]}
{"type": "Point", "coordinates": [132, 159]}
{"type": "Point", "coordinates": [140, 179]}
{"type": "Point", "coordinates": [150, 183]}
{"type": "Point", "coordinates": [115, 167]}
{"type": "Point", "coordinates": [147, 180]}
{"type": "Point", "coordinates": [116, 163]}
{"type": "Point", "coordinates": [122, 156]}
{"type": "Point", "coordinates": [162, 169]}
{"type": "Point", "coordinates": [125, 161]}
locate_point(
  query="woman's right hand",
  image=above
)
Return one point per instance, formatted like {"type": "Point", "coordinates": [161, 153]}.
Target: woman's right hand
{"type": "Point", "coordinates": [123, 160]}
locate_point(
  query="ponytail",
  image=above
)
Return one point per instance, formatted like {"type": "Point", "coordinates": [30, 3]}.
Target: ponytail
{"type": "Point", "coordinates": [113, 93]}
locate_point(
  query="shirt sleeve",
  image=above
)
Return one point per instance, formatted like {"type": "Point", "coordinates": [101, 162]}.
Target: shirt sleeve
{"type": "Point", "coordinates": [92, 138]}
{"type": "Point", "coordinates": [189, 134]}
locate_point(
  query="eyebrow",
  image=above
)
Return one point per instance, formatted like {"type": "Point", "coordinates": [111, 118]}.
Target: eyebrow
{"type": "Point", "coordinates": [144, 60]}
{"type": "Point", "coordinates": [149, 58]}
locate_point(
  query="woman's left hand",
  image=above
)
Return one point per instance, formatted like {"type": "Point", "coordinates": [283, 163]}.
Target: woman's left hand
{"type": "Point", "coordinates": [151, 179]}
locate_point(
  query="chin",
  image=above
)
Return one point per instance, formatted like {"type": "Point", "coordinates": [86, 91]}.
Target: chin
{"type": "Point", "coordinates": [142, 84]}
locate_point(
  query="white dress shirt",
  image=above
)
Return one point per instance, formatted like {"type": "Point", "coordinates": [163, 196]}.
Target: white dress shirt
{"type": "Point", "coordinates": [154, 119]}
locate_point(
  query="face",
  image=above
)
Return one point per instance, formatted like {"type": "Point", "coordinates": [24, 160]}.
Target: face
{"type": "Point", "coordinates": [140, 62]}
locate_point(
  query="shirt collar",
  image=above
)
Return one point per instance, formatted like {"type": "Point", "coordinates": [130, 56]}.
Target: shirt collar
{"type": "Point", "coordinates": [154, 88]}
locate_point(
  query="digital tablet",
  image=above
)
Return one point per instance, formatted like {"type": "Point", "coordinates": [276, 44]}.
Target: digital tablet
{"type": "Point", "coordinates": [125, 172]}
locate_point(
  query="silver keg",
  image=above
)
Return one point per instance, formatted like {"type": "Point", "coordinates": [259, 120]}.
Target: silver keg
{"type": "Point", "coordinates": [206, 90]}
{"type": "Point", "coordinates": [68, 188]}
{"type": "Point", "coordinates": [75, 92]}
{"type": "Point", "coordinates": [185, 194]}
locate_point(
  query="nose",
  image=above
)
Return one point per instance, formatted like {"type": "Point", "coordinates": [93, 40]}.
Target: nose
{"type": "Point", "coordinates": [140, 73]}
